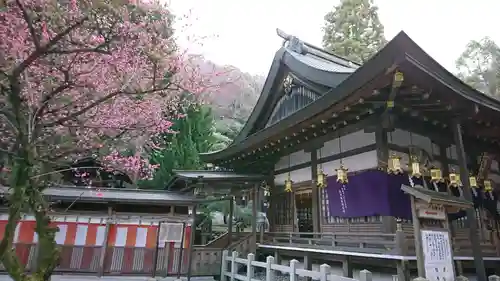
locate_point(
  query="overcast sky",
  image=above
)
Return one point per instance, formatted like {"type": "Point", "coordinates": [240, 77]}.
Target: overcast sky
{"type": "Point", "coordinates": [242, 32]}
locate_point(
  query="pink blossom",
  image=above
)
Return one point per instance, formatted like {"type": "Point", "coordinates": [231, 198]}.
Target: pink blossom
{"type": "Point", "coordinates": [99, 86]}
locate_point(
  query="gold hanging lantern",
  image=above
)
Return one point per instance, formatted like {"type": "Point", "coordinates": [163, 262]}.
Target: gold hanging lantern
{"type": "Point", "coordinates": [342, 174]}
{"type": "Point", "coordinates": [320, 180]}
{"type": "Point", "coordinates": [454, 179]}
{"type": "Point", "coordinates": [473, 181]}
{"type": "Point", "coordinates": [394, 165]}
{"type": "Point", "coordinates": [415, 168]}
{"type": "Point", "coordinates": [398, 79]}
{"type": "Point", "coordinates": [436, 175]}
{"type": "Point", "coordinates": [288, 184]}
{"type": "Point", "coordinates": [487, 186]}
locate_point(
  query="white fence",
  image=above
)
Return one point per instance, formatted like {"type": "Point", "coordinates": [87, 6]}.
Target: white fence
{"type": "Point", "coordinates": [230, 272]}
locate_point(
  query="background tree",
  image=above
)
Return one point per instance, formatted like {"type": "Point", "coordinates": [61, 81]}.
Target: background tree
{"type": "Point", "coordinates": [77, 76]}
{"type": "Point", "coordinates": [193, 134]}
{"type": "Point", "coordinates": [479, 66]}
{"type": "Point", "coordinates": [353, 30]}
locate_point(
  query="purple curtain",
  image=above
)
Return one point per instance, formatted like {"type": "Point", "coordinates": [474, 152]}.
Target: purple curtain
{"type": "Point", "coordinates": [369, 193]}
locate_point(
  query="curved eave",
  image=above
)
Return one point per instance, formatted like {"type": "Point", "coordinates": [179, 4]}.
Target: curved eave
{"type": "Point", "coordinates": [378, 64]}
{"type": "Point", "coordinates": [326, 74]}
{"type": "Point", "coordinates": [402, 49]}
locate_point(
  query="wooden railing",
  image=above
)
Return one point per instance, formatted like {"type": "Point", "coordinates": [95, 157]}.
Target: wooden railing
{"type": "Point", "coordinates": [207, 260]}
{"type": "Point", "coordinates": [400, 243]}
{"type": "Point", "coordinates": [270, 270]}
{"type": "Point", "coordinates": [363, 242]}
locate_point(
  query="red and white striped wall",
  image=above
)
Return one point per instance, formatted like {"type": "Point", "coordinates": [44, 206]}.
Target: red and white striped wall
{"type": "Point", "coordinates": [85, 236]}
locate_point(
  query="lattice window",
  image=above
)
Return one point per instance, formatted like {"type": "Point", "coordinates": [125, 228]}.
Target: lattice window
{"type": "Point", "coordinates": [284, 215]}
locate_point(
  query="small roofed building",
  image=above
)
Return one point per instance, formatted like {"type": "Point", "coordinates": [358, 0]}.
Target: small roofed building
{"type": "Point", "coordinates": [105, 230]}
{"type": "Point", "coordinates": [339, 139]}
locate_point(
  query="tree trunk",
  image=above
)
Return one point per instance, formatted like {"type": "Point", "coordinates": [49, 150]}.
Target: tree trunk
{"type": "Point", "coordinates": [27, 196]}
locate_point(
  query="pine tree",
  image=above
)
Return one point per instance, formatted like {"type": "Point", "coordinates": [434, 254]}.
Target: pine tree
{"type": "Point", "coordinates": [353, 30]}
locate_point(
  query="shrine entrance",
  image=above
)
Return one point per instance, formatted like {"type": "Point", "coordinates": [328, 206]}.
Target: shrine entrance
{"type": "Point", "coordinates": [433, 244]}
{"type": "Point", "coordinates": [303, 201]}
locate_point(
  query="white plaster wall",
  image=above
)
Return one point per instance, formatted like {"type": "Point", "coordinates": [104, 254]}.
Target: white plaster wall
{"type": "Point", "coordinates": [363, 161]}
{"type": "Point", "coordinates": [297, 176]}
{"type": "Point", "coordinates": [404, 138]}
{"type": "Point", "coordinates": [354, 163]}
{"type": "Point", "coordinates": [295, 158]}
{"type": "Point", "coordinates": [348, 142]}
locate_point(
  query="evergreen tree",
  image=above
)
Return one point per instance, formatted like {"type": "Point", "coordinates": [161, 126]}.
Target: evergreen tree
{"type": "Point", "coordinates": [353, 30]}
{"type": "Point", "coordinates": [479, 66]}
{"type": "Point", "coordinates": [194, 135]}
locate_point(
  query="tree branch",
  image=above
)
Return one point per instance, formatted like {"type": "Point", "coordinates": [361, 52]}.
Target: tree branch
{"type": "Point", "coordinates": [43, 49]}
{"type": "Point", "coordinates": [31, 28]}
{"type": "Point", "coordinates": [97, 102]}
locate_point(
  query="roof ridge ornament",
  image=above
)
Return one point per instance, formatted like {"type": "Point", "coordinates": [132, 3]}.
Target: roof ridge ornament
{"type": "Point", "coordinates": [294, 43]}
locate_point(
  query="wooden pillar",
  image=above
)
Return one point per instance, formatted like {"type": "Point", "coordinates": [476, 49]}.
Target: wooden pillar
{"type": "Point", "coordinates": [471, 213]}
{"type": "Point", "coordinates": [347, 267]}
{"type": "Point", "coordinates": [191, 243]}
{"type": "Point", "coordinates": [382, 145]}
{"type": "Point", "coordinates": [111, 217]}
{"type": "Point", "coordinates": [307, 264]}
{"type": "Point", "coordinates": [295, 226]}
{"type": "Point", "coordinates": [253, 243]}
{"type": "Point", "coordinates": [230, 222]}
{"type": "Point", "coordinates": [315, 192]}
{"type": "Point", "coordinates": [271, 209]}
{"type": "Point", "coordinates": [418, 239]}
{"type": "Point", "coordinates": [403, 271]}
{"type": "Point", "coordinates": [277, 257]}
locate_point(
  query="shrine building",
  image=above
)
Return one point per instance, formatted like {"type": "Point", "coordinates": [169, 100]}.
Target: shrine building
{"type": "Point", "coordinates": [339, 139]}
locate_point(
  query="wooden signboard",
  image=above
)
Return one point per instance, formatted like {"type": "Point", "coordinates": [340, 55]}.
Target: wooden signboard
{"type": "Point", "coordinates": [438, 260]}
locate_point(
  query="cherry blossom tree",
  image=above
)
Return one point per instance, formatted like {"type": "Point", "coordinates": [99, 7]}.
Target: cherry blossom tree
{"type": "Point", "coordinates": [77, 77]}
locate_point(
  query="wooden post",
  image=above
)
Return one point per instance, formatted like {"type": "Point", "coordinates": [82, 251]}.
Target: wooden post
{"type": "Point", "coordinates": [230, 222]}
{"type": "Point", "coordinates": [253, 246]}
{"type": "Point", "coordinates": [471, 213]}
{"type": "Point", "coordinates": [347, 269]}
{"type": "Point", "coordinates": [105, 242]}
{"type": "Point", "coordinates": [307, 264]}
{"type": "Point", "coordinates": [314, 190]}
{"type": "Point", "coordinates": [324, 271]}
{"type": "Point", "coordinates": [277, 257]}
{"type": "Point", "coordinates": [365, 275]}
{"type": "Point", "coordinates": [269, 269]}
{"type": "Point", "coordinates": [250, 268]}
{"type": "Point", "coordinates": [418, 239]}
{"type": "Point", "coordinates": [271, 210]}
{"type": "Point", "coordinates": [293, 270]}
{"type": "Point", "coordinates": [234, 265]}
{"type": "Point", "coordinates": [166, 256]}
{"type": "Point", "coordinates": [191, 244]}
{"type": "Point", "coordinates": [155, 257]}
{"type": "Point", "coordinates": [181, 252]}
{"type": "Point", "coordinates": [223, 268]}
